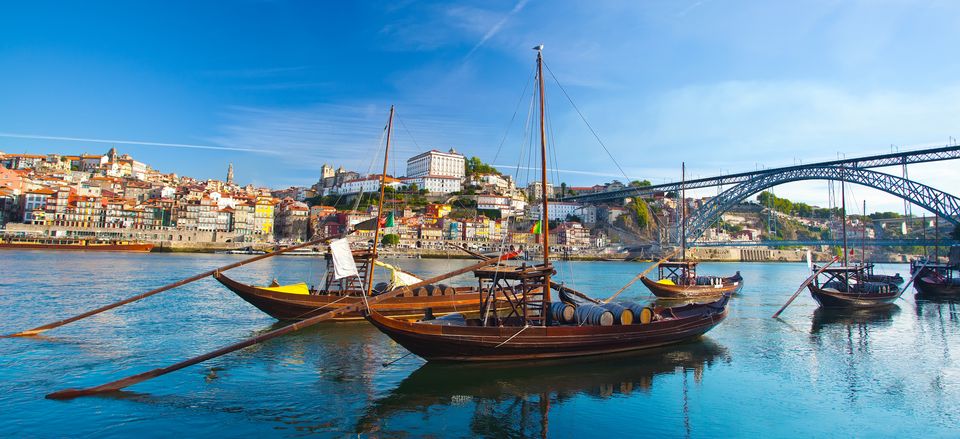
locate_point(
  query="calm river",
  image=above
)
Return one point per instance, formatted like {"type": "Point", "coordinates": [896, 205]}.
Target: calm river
{"type": "Point", "coordinates": [892, 373]}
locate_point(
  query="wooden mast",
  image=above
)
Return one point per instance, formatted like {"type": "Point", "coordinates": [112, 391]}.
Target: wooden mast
{"type": "Point", "coordinates": [683, 211]}
{"type": "Point", "coordinates": [543, 182]}
{"type": "Point", "coordinates": [383, 187]}
{"type": "Point", "coordinates": [863, 236]}
{"type": "Point", "coordinates": [843, 212]}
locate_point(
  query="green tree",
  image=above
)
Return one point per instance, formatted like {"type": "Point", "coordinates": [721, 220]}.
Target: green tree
{"type": "Point", "coordinates": [474, 166]}
{"type": "Point", "coordinates": [640, 183]}
{"type": "Point", "coordinates": [641, 213]}
{"type": "Point", "coordinates": [390, 239]}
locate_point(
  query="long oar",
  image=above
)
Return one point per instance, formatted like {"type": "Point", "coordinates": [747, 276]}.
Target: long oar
{"type": "Point", "coordinates": [644, 273]}
{"type": "Point", "coordinates": [915, 275]}
{"type": "Point", "coordinates": [182, 282]}
{"type": "Point", "coordinates": [804, 285]}
{"type": "Point", "coordinates": [131, 380]}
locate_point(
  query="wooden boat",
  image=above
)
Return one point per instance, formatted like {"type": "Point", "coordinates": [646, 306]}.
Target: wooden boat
{"type": "Point", "coordinates": [299, 301]}
{"type": "Point", "coordinates": [845, 287]}
{"type": "Point", "coordinates": [53, 243]}
{"type": "Point", "coordinates": [536, 327]}
{"type": "Point", "coordinates": [935, 279]}
{"type": "Point", "coordinates": [942, 280]}
{"type": "Point", "coordinates": [679, 280]}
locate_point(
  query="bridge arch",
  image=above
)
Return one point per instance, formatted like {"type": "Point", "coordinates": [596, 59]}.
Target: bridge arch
{"type": "Point", "coordinates": [941, 203]}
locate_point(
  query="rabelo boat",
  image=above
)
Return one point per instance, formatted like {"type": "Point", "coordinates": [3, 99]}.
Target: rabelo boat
{"type": "Point", "coordinates": [534, 325]}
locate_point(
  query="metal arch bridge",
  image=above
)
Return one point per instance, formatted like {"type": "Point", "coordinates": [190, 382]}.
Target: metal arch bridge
{"type": "Point", "coordinates": [876, 161]}
{"type": "Point", "coordinates": [934, 200]}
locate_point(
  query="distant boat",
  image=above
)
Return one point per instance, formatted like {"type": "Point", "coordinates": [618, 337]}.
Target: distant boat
{"type": "Point", "coordinates": [850, 286]}
{"type": "Point", "coordinates": [846, 287]}
{"type": "Point", "coordinates": [679, 280]}
{"type": "Point", "coordinates": [243, 251]}
{"type": "Point", "coordinates": [56, 243]}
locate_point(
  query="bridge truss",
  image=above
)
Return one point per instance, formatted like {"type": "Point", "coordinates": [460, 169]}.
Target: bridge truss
{"type": "Point", "coordinates": [941, 203]}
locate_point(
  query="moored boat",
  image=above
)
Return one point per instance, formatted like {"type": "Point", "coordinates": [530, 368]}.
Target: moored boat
{"type": "Point", "coordinates": [679, 280]}
{"type": "Point", "coordinates": [299, 301]}
{"type": "Point", "coordinates": [846, 287]}
{"type": "Point", "coordinates": [534, 326]}
{"type": "Point", "coordinates": [55, 243]}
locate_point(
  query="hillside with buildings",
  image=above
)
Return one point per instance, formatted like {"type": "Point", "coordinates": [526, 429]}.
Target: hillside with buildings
{"type": "Point", "coordinates": [443, 199]}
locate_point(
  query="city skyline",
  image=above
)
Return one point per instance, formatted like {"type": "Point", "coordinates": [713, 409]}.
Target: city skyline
{"type": "Point", "coordinates": [281, 88]}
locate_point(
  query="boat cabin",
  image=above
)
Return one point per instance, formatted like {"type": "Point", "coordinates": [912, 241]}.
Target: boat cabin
{"type": "Point", "coordinates": [348, 285]}
{"type": "Point", "coordinates": [519, 289]}
{"type": "Point", "coordinates": [851, 279]}
{"type": "Point", "coordinates": [678, 272]}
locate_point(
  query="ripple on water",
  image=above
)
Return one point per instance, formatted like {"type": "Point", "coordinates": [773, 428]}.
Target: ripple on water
{"type": "Point", "coordinates": [751, 376]}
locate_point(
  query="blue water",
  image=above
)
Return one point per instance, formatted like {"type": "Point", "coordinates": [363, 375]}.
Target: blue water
{"type": "Point", "coordinates": [882, 374]}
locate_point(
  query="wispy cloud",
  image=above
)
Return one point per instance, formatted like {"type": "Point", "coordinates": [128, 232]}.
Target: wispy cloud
{"type": "Point", "coordinates": [137, 142]}
{"type": "Point", "coordinates": [497, 26]}
{"type": "Point", "coordinates": [349, 135]}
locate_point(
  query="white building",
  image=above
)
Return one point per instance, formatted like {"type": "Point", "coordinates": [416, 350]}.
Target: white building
{"type": "Point", "coordinates": [435, 163]}
{"type": "Point", "coordinates": [367, 185]}
{"type": "Point", "coordinates": [436, 184]}
{"type": "Point", "coordinates": [560, 210]}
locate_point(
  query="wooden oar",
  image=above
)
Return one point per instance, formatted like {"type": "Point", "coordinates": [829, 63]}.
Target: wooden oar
{"type": "Point", "coordinates": [915, 275]}
{"type": "Point", "coordinates": [131, 380]}
{"type": "Point", "coordinates": [176, 284]}
{"type": "Point", "coordinates": [644, 273]}
{"type": "Point", "coordinates": [569, 290]}
{"type": "Point", "coordinates": [804, 285]}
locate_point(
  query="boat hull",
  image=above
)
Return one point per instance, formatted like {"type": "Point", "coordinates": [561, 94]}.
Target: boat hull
{"type": "Point", "coordinates": [837, 299]}
{"type": "Point", "coordinates": [691, 291]}
{"type": "Point", "coordinates": [511, 343]}
{"type": "Point", "coordinates": [287, 306]}
{"type": "Point", "coordinates": [138, 247]}
{"type": "Point", "coordinates": [929, 287]}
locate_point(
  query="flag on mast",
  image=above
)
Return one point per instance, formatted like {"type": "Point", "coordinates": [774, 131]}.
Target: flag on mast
{"type": "Point", "coordinates": [536, 229]}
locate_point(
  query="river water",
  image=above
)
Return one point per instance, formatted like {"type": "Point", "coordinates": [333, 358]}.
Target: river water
{"type": "Point", "coordinates": [810, 373]}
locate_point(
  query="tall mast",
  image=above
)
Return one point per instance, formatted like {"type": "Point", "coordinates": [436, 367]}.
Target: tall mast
{"type": "Point", "coordinates": [843, 212]}
{"type": "Point", "coordinates": [383, 186]}
{"type": "Point", "coordinates": [863, 236]}
{"type": "Point", "coordinates": [683, 210]}
{"type": "Point", "coordinates": [543, 175]}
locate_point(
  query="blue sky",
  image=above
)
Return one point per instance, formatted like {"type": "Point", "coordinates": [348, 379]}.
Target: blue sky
{"type": "Point", "coordinates": [285, 86]}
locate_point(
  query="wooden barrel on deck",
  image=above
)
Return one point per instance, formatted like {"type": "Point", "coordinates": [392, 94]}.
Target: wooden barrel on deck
{"type": "Point", "coordinates": [446, 290]}
{"type": "Point", "coordinates": [561, 312]}
{"type": "Point", "coordinates": [591, 314]}
{"type": "Point", "coordinates": [420, 292]}
{"type": "Point", "coordinates": [621, 314]}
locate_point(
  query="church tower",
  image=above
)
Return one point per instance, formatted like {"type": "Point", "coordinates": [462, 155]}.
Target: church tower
{"type": "Point", "coordinates": [230, 174]}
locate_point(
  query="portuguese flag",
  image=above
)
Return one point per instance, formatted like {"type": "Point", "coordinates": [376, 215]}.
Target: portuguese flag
{"type": "Point", "coordinates": [536, 229]}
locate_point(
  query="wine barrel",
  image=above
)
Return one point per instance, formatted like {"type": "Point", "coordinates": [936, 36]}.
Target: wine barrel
{"type": "Point", "coordinates": [446, 290]}
{"type": "Point", "coordinates": [432, 290]}
{"type": "Point", "coordinates": [635, 308]}
{"type": "Point", "coordinates": [561, 312]}
{"type": "Point", "coordinates": [646, 315]}
{"type": "Point", "coordinates": [591, 314]}
{"type": "Point", "coordinates": [420, 292]}
{"type": "Point", "coordinates": [621, 314]}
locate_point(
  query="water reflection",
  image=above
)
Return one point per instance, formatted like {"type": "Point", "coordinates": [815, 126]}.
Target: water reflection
{"type": "Point", "coordinates": [511, 400]}
{"type": "Point", "coordinates": [862, 319]}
